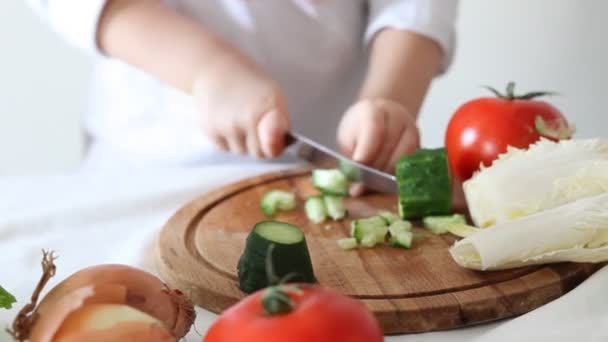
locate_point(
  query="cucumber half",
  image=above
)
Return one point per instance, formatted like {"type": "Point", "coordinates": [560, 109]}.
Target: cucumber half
{"type": "Point", "coordinates": [290, 256]}
{"type": "Point", "coordinates": [424, 183]}
{"type": "Point", "coordinates": [275, 200]}
{"type": "Point", "coordinates": [330, 182]}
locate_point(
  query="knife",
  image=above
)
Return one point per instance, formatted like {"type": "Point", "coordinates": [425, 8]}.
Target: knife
{"type": "Point", "coordinates": [321, 156]}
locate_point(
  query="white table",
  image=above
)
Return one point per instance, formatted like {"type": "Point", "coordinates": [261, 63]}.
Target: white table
{"type": "Point", "coordinates": [113, 218]}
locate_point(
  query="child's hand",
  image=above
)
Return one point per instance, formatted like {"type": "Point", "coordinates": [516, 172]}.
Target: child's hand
{"type": "Point", "coordinates": [377, 132]}
{"type": "Point", "coordinates": [243, 110]}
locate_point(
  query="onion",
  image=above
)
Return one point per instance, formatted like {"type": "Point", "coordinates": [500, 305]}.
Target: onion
{"type": "Point", "coordinates": [105, 303]}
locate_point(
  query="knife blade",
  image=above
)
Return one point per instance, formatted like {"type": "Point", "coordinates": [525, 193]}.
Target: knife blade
{"type": "Point", "coordinates": [321, 156]}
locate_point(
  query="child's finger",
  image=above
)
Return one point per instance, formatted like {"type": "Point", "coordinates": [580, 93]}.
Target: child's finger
{"type": "Point", "coordinates": [408, 143]}
{"type": "Point", "coordinates": [393, 131]}
{"type": "Point", "coordinates": [253, 145]}
{"type": "Point", "coordinates": [236, 141]}
{"type": "Point", "coordinates": [369, 139]}
{"type": "Point", "coordinates": [272, 129]}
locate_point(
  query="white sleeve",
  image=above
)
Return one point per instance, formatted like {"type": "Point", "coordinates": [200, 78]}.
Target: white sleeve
{"type": "Point", "coordinates": [434, 19]}
{"type": "Point", "coordinates": [74, 20]}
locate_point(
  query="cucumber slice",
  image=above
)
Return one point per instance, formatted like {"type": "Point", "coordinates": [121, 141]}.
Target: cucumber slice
{"type": "Point", "coordinates": [315, 209]}
{"type": "Point", "coordinates": [388, 217]}
{"type": "Point", "coordinates": [424, 183]}
{"type": "Point", "coordinates": [399, 227]}
{"type": "Point", "coordinates": [347, 243]}
{"type": "Point", "coordinates": [369, 241]}
{"type": "Point", "coordinates": [334, 205]}
{"type": "Point", "coordinates": [374, 225]}
{"type": "Point", "coordinates": [275, 200]}
{"type": "Point", "coordinates": [290, 255]}
{"type": "Point", "coordinates": [330, 182]}
{"type": "Point", "coordinates": [438, 225]}
{"type": "Point", "coordinates": [403, 239]}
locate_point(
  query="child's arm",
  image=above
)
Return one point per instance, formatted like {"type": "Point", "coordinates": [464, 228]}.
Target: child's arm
{"type": "Point", "coordinates": [401, 67]}
{"type": "Point", "coordinates": [381, 125]}
{"type": "Point", "coordinates": [242, 108]}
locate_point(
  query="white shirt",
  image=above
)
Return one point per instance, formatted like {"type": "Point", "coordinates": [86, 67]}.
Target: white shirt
{"type": "Point", "coordinates": [315, 49]}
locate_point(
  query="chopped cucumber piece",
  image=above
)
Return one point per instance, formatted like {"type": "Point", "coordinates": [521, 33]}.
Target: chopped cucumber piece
{"type": "Point", "coordinates": [275, 200]}
{"type": "Point", "coordinates": [350, 170]}
{"type": "Point", "coordinates": [334, 206]}
{"type": "Point", "coordinates": [315, 209]}
{"type": "Point", "coordinates": [369, 241]}
{"type": "Point", "coordinates": [347, 243]}
{"type": "Point", "coordinates": [424, 183]}
{"type": "Point", "coordinates": [462, 229]}
{"type": "Point", "coordinates": [388, 217]}
{"type": "Point", "coordinates": [374, 225]}
{"type": "Point", "coordinates": [439, 224]}
{"type": "Point", "coordinates": [403, 239]}
{"type": "Point", "coordinates": [290, 255]}
{"type": "Point", "coordinates": [399, 227]}
{"type": "Point", "coordinates": [330, 182]}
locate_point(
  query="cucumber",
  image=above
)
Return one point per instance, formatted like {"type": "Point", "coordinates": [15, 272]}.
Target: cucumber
{"type": "Point", "coordinates": [388, 217]}
{"type": "Point", "coordinates": [334, 206]}
{"type": "Point", "coordinates": [399, 227]}
{"type": "Point", "coordinates": [315, 209]}
{"type": "Point", "coordinates": [374, 226]}
{"type": "Point", "coordinates": [403, 239]}
{"type": "Point", "coordinates": [438, 225]}
{"type": "Point", "coordinates": [275, 200]}
{"type": "Point", "coordinates": [369, 241]}
{"type": "Point", "coordinates": [290, 256]}
{"type": "Point", "coordinates": [330, 182]}
{"type": "Point", "coordinates": [347, 243]}
{"type": "Point", "coordinates": [424, 183]}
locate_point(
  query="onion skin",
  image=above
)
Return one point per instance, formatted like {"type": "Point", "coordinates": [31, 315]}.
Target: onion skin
{"type": "Point", "coordinates": [118, 284]}
{"type": "Point", "coordinates": [131, 331]}
{"type": "Point", "coordinates": [47, 324]}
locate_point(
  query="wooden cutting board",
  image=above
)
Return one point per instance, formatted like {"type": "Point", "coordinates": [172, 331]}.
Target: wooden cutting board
{"type": "Point", "coordinates": [416, 290]}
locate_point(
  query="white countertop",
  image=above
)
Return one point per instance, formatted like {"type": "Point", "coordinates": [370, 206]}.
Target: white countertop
{"type": "Point", "coordinates": [113, 218]}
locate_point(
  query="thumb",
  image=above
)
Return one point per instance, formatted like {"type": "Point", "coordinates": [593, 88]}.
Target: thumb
{"type": "Point", "coordinates": [272, 129]}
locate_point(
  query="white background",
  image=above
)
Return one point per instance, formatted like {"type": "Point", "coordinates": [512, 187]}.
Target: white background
{"type": "Point", "coordinates": [558, 45]}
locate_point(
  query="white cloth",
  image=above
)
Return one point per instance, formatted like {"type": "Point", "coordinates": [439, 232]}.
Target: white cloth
{"type": "Point", "coordinates": [113, 218]}
{"type": "Point", "coordinates": [316, 50]}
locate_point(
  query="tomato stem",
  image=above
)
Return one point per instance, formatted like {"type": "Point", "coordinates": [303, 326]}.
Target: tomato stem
{"type": "Point", "coordinates": [510, 93]}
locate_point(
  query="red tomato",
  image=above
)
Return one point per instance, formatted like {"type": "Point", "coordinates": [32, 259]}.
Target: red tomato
{"type": "Point", "coordinates": [482, 128]}
{"type": "Point", "coordinates": [318, 314]}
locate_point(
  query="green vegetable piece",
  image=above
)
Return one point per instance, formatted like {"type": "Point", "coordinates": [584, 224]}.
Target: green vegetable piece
{"type": "Point", "coordinates": [388, 217]}
{"type": "Point", "coordinates": [424, 183]}
{"type": "Point", "coordinates": [334, 206]}
{"type": "Point", "coordinates": [368, 241]}
{"type": "Point", "coordinates": [438, 225]}
{"type": "Point", "coordinates": [330, 182]}
{"type": "Point", "coordinates": [6, 299]}
{"type": "Point", "coordinates": [290, 256]}
{"type": "Point", "coordinates": [403, 240]}
{"type": "Point", "coordinates": [275, 200]}
{"type": "Point", "coordinates": [375, 226]}
{"type": "Point", "coordinates": [399, 227]}
{"type": "Point", "coordinates": [347, 243]}
{"type": "Point", "coordinates": [315, 209]}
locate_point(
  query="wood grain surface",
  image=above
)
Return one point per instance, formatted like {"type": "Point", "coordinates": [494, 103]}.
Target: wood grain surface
{"type": "Point", "coordinates": [416, 290]}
